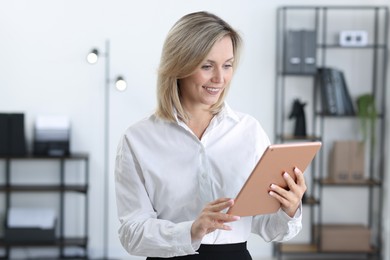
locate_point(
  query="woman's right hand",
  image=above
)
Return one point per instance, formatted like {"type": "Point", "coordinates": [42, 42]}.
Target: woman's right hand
{"type": "Point", "coordinates": [211, 218]}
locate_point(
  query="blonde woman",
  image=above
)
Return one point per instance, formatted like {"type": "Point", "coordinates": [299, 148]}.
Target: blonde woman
{"type": "Point", "coordinates": [178, 170]}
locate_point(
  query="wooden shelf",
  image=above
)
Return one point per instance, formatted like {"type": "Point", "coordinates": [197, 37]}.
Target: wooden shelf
{"type": "Point", "coordinates": [338, 46]}
{"type": "Point", "coordinates": [74, 156]}
{"type": "Point", "coordinates": [300, 138]}
{"type": "Point", "coordinates": [298, 248]}
{"type": "Point", "coordinates": [367, 182]}
{"type": "Point", "coordinates": [287, 248]}
{"type": "Point", "coordinates": [310, 201]}
{"type": "Point", "coordinates": [44, 188]}
{"type": "Point", "coordinates": [72, 241]}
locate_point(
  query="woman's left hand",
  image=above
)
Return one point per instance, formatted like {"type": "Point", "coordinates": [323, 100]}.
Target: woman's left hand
{"type": "Point", "coordinates": [290, 197]}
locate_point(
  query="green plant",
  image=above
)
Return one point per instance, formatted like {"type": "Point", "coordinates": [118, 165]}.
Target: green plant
{"type": "Point", "coordinates": [367, 113]}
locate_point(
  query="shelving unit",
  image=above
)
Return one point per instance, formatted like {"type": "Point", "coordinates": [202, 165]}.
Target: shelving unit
{"type": "Point", "coordinates": [365, 71]}
{"type": "Point", "coordinates": [62, 241]}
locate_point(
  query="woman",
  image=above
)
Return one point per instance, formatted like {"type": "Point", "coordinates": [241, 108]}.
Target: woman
{"type": "Point", "coordinates": [177, 170]}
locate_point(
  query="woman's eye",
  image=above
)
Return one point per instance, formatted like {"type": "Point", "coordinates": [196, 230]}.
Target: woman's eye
{"type": "Point", "coordinates": [227, 66]}
{"type": "Point", "coordinates": [206, 67]}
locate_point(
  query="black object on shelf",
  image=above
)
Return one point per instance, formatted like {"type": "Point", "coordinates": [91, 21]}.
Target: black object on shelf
{"type": "Point", "coordinates": [12, 137]}
{"type": "Point", "coordinates": [298, 112]}
{"type": "Point", "coordinates": [51, 148]}
{"type": "Point", "coordinates": [51, 136]}
{"type": "Point", "coordinates": [30, 225]}
{"type": "Point", "coordinates": [335, 97]}
{"type": "Point", "coordinates": [29, 235]}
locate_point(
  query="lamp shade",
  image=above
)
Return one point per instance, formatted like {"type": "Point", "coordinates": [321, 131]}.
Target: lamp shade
{"type": "Point", "coordinates": [93, 56]}
{"type": "Point", "coordinates": [120, 84]}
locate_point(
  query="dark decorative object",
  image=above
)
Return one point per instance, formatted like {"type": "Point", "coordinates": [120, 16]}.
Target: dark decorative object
{"type": "Point", "coordinates": [298, 113]}
{"type": "Point", "coordinates": [12, 137]}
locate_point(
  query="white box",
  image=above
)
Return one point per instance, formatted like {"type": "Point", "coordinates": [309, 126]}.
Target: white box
{"type": "Point", "coordinates": [353, 38]}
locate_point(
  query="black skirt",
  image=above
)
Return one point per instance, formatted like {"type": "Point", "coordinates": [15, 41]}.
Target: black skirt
{"type": "Point", "coordinates": [216, 252]}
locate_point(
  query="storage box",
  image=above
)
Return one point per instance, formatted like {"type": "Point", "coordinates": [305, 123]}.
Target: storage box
{"type": "Point", "coordinates": [300, 52]}
{"type": "Point", "coordinates": [30, 225]}
{"type": "Point", "coordinates": [345, 238]}
{"type": "Point", "coordinates": [33, 235]}
{"type": "Point", "coordinates": [346, 162]}
{"type": "Point", "coordinates": [51, 136]}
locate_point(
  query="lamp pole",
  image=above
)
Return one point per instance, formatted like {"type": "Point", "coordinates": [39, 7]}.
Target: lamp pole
{"type": "Point", "coordinates": [106, 147]}
{"type": "Point", "coordinates": [120, 85]}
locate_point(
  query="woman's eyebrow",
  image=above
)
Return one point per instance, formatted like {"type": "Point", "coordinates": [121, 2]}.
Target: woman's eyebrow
{"type": "Point", "coordinates": [228, 60]}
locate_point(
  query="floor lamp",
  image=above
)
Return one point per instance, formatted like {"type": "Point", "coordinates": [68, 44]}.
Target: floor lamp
{"type": "Point", "coordinates": [121, 85]}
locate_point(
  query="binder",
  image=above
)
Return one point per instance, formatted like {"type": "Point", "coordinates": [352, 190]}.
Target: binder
{"type": "Point", "coordinates": [293, 57]}
{"type": "Point", "coordinates": [18, 140]}
{"type": "Point", "coordinates": [12, 137]}
{"type": "Point", "coordinates": [335, 97]}
{"type": "Point", "coordinates": [328, 99]}
{"type": "Point", "coordinates": [309, 50]}
{"type": "Point", "coordinates": [4, 134]}
{"type": "Point", "coordinates": [300, 52]}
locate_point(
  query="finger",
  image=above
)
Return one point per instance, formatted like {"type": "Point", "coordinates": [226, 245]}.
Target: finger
{"type": "Point", "coordinates": [223, 217]}
{"type": "Point", "coordinates": [300, 178]}
{"type": "Point", "coordinates": [287, 199]}
{"type": "Point", "coordinates": [219, 220]}
{"type": "Point", "coordinates": [282, 192]}
{"type": "Point", "coordinates": [210, 221]}
{"type": "Point", "coordinates": [220, 200]}
{"type": "Point", "coordinates": [282, 200]}
{"type": "Point", "coordinates": [220, 206]}
{"type": "Point", "coordinates": [289, 180]}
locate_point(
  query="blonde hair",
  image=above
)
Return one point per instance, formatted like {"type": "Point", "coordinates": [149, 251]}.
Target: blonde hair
{"type": "Point", "coordinates": [187, 44]}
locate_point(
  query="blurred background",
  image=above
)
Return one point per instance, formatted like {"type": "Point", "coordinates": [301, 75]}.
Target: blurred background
{"type": "Point", "coordinates": [44, 72]}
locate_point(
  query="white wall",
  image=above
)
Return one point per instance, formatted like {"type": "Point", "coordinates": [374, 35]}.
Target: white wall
{"type": "Point", "coordinates": [43, 44]}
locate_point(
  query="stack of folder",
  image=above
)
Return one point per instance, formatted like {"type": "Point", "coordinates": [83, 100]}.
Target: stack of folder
{"type": "Point", "coordinates": [335, 96]}
{"type": "Point", "coordinates": [12, 136]}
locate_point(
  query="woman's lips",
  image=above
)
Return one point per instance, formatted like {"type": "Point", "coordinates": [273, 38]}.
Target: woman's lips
{"type": "Point", "coordinates": [212, 91]}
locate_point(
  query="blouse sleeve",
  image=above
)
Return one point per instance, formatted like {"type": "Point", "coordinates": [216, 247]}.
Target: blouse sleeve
{"type": "Point", "coordinates": [140, 232]}
{"type": "Point", "coordinates": [277, 227]}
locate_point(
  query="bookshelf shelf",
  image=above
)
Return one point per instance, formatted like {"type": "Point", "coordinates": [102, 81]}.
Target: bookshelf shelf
{"type": "Point", "coordinates": [365, 47]}
{"type": "Point", "coordinates": [364, 71]}
{"type": "Point", "coordinates": [61, 189]}
{"type": "Point", "coordinates": [365, 183]}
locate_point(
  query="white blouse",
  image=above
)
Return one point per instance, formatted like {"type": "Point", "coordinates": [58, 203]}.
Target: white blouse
{"type": "Point", "coordinates": [165, 175]}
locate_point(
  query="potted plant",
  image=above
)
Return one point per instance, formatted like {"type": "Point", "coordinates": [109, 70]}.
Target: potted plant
{"type": "Point", "coordinates": [367, 114]}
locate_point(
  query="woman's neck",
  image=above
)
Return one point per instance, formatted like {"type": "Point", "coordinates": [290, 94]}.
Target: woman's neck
{"type": "Point", "coordinates": [199, 120]}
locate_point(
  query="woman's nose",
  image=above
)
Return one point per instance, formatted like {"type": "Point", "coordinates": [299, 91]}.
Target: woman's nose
{"type": "Point", "coordinates": [218, 76]}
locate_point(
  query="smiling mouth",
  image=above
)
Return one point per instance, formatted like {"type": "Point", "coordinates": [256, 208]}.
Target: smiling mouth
{"type": "Point", "coordinates": [212, 90]}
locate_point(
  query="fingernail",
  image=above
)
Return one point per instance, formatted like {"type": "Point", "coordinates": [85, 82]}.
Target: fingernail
{"type": "Point", "coordinates": [272, 186]}
{"type": "Point", "coordinates": [236, 217]}
{"type": "Point", "coordinates": [296, 170]}
{"type": "Point", "coordinates": [285, 174]}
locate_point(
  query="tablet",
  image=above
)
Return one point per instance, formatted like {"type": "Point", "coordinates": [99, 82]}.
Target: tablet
{"type": "Point", "coordinates": [253, 198]}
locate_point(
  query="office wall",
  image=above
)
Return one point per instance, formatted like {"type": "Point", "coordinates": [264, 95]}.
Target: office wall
{"type": "Point", "coordinates": [43, 71]}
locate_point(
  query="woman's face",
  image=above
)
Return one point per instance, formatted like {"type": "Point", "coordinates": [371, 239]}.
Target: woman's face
{"type": "Point", "coordinates": [204, 87]}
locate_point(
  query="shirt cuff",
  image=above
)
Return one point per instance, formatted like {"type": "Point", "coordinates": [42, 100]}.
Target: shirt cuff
{"type": "Point", "coordinates": [297, 216]}
{"type": "Point", "coordinates": [187, 246]}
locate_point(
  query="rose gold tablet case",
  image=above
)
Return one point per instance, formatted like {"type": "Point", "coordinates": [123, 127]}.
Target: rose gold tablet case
{"type": "Point", "coordinates": [253, 199]}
